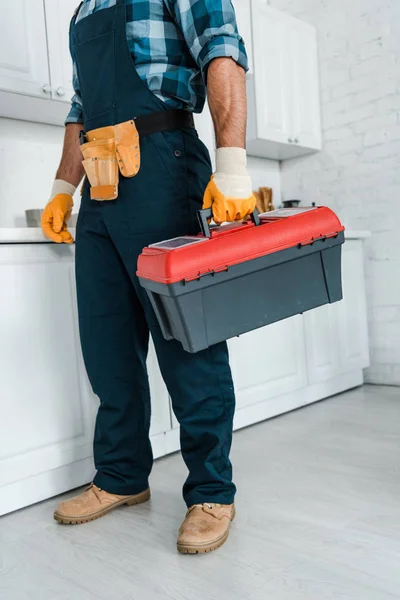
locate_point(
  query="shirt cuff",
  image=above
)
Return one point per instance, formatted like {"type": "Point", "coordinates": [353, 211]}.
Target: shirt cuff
{"type": "Point", "coordinates": [224, 46]}
{"type": "Point", "coordinates": [75, 115]}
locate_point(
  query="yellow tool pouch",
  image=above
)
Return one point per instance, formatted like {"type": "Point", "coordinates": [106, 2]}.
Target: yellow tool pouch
{"type": "Point", "coordinates": [110, 151]}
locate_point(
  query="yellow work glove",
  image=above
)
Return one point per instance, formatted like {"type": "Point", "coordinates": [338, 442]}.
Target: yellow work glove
{"type": "Point", "coordinates": [56, 214]}
{"type": "Point", "coordinates": [229, 192]}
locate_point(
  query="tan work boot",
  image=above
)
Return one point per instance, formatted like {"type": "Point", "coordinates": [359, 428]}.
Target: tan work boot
{"type": "Point", "coordinates": [94, 503]}
{"type": "Point", "coordinates": [205, 528]}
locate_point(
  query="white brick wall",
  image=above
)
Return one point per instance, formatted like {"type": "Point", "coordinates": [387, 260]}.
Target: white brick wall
{"type": "Point", "coordinates": [358, 172]}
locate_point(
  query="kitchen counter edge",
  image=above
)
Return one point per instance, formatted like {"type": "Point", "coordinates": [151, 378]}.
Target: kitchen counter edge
{"type": "Point", "coordinates": [32, 235]}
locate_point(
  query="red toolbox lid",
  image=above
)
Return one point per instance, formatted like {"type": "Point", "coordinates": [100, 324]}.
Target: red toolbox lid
{"type": "Point", "coordinates": [189, 257]}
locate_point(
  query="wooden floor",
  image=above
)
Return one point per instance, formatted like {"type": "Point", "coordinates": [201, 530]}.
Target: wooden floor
{"type": "Point", "coordinates": [318, 518]}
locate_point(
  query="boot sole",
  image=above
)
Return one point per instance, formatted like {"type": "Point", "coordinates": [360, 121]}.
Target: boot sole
{"type": "Point", "coordinates": [207, 547]}
{"type": "Point", "coordinates": [130, 501]}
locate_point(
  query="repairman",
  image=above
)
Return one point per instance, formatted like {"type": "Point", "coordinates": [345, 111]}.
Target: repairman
{"type": "Point", "coordinates": [141, 69]}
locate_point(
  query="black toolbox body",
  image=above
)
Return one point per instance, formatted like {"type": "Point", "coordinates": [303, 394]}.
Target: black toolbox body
{"type": "Point", "coordinates": [227, 300]}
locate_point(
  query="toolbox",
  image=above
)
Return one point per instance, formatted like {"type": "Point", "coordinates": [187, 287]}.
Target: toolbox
{"type": "Point", "coordinates": [235, 278]}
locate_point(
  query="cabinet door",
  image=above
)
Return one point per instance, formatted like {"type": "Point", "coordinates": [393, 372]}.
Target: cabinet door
{"type": "Point", "coordinates": [58, 16]}
{"type": "Point", "coordinates": [269, 362]}
{"type": "Point", "coordinates": [160, 407]}
{"type": "Point", "coordinates": [46, 403]}
{"type": "Point", "coordinates": [205, 129]}
{"type": "Point", "coordinates": [272, 74]}
{"type": "Point", "coordinates": [322, 344]}
{"type": "Point", "coordinates": [352, 311]}
{"type": "Point", "coordinates": [243, 19]}
{"type": "Point", "coordinates": [337, 334]}
{"type": "Point", "coordinates": [306, 128]}
{"type": "Point", "coordinates": [23, 49]}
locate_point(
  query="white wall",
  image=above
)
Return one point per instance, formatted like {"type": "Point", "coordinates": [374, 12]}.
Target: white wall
{"type": "Point", "coordinates": [36, 149]}
{"type": "Point", "coordinates": [266, 173]}
{"type": "Point", "coordinates": [29, 157]}
{"type": "Point", "coordinates": [358, 172]}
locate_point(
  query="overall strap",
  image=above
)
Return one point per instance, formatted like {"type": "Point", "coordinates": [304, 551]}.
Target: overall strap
{"type": "Point", "coordinates": [119, 2]}
{"type": "Point", "coordinates": [74, 17]}
{"type": "Point", "coordinates": [76, 13]}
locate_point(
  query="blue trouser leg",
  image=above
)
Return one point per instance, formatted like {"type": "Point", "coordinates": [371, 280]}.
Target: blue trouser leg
{"type": "Point", "coordinates": [115, 319]}
{"type": "Point", "coordinates": [114, 338]}
{"type": "Point", "coordinates": [201, 389]}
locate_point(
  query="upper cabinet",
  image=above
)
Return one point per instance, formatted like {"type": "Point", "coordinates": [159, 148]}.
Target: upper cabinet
{"type": "Point", "coordinates": [243, 18]}
{"type": "Point", "coordinates": [24, 66]}
{"type": "Point", "coordinates": [58, 17]}
{"type": "Point", "coordinates": [282, 84]}
{"type": "Point", "coordinates": [305, 108]}
{"type": "Point", "coordinates": [34, 48]}
{"type": "Point", "coordinates": [35, 65]}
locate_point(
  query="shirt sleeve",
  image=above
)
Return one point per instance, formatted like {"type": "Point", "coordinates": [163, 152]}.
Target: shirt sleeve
{"type": "Point", "coordinates": [210, 30]}
{"type": "Point", "coordinates": [75, 114]}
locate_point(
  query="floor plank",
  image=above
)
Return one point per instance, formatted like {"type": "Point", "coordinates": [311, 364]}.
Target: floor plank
{"type": "Point", "coordinates": [318, 519]}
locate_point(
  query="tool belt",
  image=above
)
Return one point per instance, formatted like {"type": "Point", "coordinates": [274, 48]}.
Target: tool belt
{"type": "Point", "coordinates": [112, 151]}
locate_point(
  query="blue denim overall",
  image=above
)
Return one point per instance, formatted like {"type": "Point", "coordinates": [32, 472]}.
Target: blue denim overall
{"type": "Point", "coordinates": [115, 315]}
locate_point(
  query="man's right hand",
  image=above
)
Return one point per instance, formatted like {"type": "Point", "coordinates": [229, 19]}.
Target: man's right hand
{"type": "Point", "coordinates": [57, 212]}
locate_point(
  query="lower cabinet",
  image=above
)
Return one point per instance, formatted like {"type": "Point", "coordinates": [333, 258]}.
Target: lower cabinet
{"type": "Point", "coordinates": [352, 329]}
{"type": "Point", "coordinates": [336, 335]}
{"type": "Point", "coordinates": [269, 362]}
{"type": "Point", "coordinates": [48, 409]}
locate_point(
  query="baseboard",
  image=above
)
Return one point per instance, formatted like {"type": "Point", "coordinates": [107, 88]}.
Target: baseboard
{"type": "Point", "coordinates": [288, 402]}
{"type": "Point", "coordinates": [45, 485]}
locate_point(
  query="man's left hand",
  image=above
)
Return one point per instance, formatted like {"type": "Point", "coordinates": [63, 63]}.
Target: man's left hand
{"type": "Point", "coordinates": [229, 193]}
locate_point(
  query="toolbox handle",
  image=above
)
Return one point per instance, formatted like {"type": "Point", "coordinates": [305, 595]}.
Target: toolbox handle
{"type": "Point", "coordinates": [205, 214]}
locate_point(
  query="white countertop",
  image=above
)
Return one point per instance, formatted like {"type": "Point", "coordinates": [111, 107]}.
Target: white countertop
{"type": "Point", "coordinates": [354, 234]}
{"type": "Point", "coordinates": [34, 235]}
{"type": "Point", "coordinates": [25, 235]}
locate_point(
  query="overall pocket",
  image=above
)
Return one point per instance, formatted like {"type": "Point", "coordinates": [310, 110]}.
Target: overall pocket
{"type": "Point", "coordinates": [96, 54]}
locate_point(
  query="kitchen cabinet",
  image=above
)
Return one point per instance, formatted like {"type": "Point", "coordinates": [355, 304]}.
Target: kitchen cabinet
{"type": "Point", "coordinates": [35, 65]}
{"type": "Point", "coordinates": [305, 127]}
{"type": "Point", "coordinates": [283, 90]}
{"type": "Point", "coordinates": [265, 365]}
{"type": "Point", "coordinates": [352, 329]}
{"type": "Point", "coordinates": [321, 334]}
{"type": "Point", "coordinates": [24, 66]}
{"type": "Point", "coordinates": [337, 334]}
{"type": "Point", "coordinates": [47, 406]}
{"type": "Point", "coordinates": [58, 17]}
{"type": "Point", "coordinates": [243, 19]}
{"type": "Point", "coordinates": [34, 48]}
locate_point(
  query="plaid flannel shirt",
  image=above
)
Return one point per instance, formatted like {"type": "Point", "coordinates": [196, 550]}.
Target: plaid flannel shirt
{"type": "Point", "coordinates": [171, 43]}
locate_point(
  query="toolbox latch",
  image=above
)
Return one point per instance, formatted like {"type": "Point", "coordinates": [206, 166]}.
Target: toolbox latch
{"type": "Point", "coordinates": [213, 272]}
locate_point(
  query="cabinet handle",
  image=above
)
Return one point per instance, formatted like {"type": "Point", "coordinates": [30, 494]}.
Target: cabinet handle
{"type": "Point", "coordinates": [60, 91]}
{"type": "Point", "coordinates": [290, 140]}
{"type": "Point", "coordinates": [296, 140]}
{"type": "Point", "coordinates": [47, 88]}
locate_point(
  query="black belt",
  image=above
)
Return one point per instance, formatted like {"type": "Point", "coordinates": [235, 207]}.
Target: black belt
{"type": "Point", "coordinates": [164, 120]}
